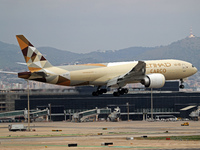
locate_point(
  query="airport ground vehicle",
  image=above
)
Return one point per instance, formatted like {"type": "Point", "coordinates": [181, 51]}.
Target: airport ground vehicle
{"type": "Point", "coordinates": [16, 127]}
{"type": "Point", "coordinates": [185, 124]}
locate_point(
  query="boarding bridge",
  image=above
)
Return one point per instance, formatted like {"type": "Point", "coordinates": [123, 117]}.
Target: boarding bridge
{"type": "Point", "coordinates": [39, 113]}
{"type": "Point", "coordinates": [12, 114]}
{"type": "Point", "coordinates": [195, 115]}
{"type": "Point", "coordinates": [83, 116]}
{"type": "Point", "coordinates": [24, 113]}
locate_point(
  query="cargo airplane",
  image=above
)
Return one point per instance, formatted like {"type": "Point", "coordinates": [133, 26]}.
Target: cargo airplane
{"type": "Point", "coordinates": [151, 74]}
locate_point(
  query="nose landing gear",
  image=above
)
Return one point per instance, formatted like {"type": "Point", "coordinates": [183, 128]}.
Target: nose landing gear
{"type": "Point", "coordinates": [181, 86]}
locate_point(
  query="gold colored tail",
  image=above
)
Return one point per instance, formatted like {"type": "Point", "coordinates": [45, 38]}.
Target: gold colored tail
{"type": "Point", "coordinates": [34, 59]}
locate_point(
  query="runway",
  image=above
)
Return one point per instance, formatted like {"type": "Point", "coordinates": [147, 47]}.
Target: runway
{"type": "Point", "coordinates": [94, 135]}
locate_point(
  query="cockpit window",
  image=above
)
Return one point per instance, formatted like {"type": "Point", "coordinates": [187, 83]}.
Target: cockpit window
{"type": "Point", "coordinates": [192, 66]}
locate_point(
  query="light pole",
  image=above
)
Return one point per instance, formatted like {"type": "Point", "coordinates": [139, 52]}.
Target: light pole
{"type": "Point", "coordinates": [151, 104]}
{"type": "Point", "coordinates": [28, 106]}
{"type": "Point", "coordinates": [50, 111]}
{"type": "Point", "coordinates": [127, 110]}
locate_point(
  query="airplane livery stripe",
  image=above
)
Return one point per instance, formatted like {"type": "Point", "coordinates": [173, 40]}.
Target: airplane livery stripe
{"type": "Point", "coordinates": [102, 65]}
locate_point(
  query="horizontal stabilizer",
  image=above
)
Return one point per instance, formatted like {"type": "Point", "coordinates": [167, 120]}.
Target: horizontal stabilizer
{"type": "Point", "coordinates": [21, 63]}
{"type": "Point", "coordinates": [7, 72]}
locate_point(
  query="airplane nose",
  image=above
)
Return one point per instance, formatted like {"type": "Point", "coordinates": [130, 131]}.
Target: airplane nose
{"type": "Point", "coordinates": [194, 69]}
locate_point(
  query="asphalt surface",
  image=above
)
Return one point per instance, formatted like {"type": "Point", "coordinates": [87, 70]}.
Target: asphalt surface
{"type": "Point", "coordinates": [92, 135]}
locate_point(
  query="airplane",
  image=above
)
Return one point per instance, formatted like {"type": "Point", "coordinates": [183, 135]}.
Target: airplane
{"type": "Point", "coordinates": [151, 73]}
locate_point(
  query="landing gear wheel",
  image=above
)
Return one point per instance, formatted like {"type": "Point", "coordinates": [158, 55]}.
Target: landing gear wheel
{"type": "Point", "coordinates": [181, 86]}
{"type": "Point", "coordinates": [125, 90]}
{"type": "Point", "coordinates": [121, 92]}
{"type": "Point", "coordinates": [99, 92]}
{"type": "Point", "coordinates": [104, 90]}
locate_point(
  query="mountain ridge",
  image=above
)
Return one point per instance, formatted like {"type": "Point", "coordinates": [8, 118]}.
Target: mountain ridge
{"type": "Point", "coordinates": [187, 49]}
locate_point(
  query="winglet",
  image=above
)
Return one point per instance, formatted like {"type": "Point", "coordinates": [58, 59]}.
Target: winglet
{"type": "Point", "coordinates": [34, 59]}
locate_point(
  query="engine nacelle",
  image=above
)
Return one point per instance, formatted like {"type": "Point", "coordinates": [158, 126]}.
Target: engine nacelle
{"type": "Point", "coordinates": [155, 80]}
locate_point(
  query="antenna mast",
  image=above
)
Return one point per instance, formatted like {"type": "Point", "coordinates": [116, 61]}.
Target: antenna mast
{"type": "Point", "coordinates": [191, 34]}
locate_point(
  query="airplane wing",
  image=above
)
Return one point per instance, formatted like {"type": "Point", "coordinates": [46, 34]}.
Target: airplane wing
{"type": "Point", "coordinates": [135, 74]}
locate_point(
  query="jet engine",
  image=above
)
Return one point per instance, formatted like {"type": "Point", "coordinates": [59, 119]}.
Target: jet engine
{"type": "Point", "coordinates": [155, 80]}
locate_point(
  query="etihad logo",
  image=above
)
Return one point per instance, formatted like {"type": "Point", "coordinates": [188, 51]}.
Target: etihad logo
{"type": "Point", "coordinates": [156, 65]}
{"type": "Point", "coordinates": [161, 67]}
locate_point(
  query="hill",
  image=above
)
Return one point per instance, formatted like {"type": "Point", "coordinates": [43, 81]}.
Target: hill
{"type": "Point", "coordinates": [187, 49]}
{"type": "Point", "coordinates": [9, 55]}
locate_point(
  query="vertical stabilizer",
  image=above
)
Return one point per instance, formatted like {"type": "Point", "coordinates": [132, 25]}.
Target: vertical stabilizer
{"type": "Point", "coordinates": [34, 59]}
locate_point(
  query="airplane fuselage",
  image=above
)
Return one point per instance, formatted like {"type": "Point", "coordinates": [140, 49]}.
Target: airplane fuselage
{"type": "Point", "coordinates": [99, 74]}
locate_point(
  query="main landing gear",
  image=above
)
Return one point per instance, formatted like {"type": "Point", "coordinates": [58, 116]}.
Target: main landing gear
{"type": "Point", "coordinates": [120, 91]}
{"type": "Point", "coordinates": [181, 86]}
{"type": "Point", "coordinates": [99, 92]}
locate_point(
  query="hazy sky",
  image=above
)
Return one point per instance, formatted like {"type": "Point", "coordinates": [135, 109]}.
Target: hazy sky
{"type": "Point", "coordinates": [88, 25]}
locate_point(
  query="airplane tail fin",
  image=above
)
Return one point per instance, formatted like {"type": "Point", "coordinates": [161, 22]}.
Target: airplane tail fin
{"type": "Point", "coordinates": [34, 59]}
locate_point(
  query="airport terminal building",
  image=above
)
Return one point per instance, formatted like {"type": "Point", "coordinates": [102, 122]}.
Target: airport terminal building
{"type": "Point", "coordinates": [135, 105]}
{"type": "Point", "coordinates": [163, 103]}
